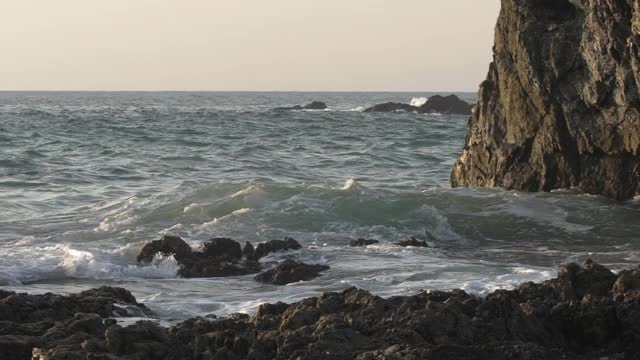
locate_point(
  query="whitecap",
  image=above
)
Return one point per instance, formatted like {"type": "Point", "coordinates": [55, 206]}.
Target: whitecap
{"type": "Point", "coordinates": [418, 101]}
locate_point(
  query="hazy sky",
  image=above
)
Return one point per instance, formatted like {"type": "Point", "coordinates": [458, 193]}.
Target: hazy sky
{"type": "Point", "coordinates": [245, 44]}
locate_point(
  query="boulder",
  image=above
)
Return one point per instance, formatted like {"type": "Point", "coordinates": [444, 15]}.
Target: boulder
{"type": "Point", "coordinates": [222, 248]}
{"type": "Point", "coordinates": [560, 107]}
{"type": "Point", "coordinates": [167, 245]}
{"type": "Point", "coordinates": [289, 272]}
{"type": "Point", "coordinates": [363, 242]}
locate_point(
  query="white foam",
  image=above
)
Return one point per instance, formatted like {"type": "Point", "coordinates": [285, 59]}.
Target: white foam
{"type": "Point", "coordinates": [418, 101]}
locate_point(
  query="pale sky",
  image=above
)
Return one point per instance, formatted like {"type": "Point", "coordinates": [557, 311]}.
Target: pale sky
{"type": "Point", "coordinates": [254, 45]}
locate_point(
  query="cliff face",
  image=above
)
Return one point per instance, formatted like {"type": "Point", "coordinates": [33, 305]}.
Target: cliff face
{"type": "Point", "coordinates": [561, 106]}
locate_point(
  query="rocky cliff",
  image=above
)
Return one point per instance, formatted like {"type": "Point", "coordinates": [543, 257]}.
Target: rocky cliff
{"type": "Point", "coordinates": [560, 107]}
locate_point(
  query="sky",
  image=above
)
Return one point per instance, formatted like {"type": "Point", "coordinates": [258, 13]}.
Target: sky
{"type": "Point", "coordinates": [246, 45]}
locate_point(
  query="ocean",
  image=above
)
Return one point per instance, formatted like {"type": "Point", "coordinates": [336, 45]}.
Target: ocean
{"type": "Point", "coordinates": [87, 178]}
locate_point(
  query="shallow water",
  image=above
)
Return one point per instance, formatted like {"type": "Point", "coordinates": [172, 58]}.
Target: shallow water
{"type": "Point", "coordinates": [87, 178]}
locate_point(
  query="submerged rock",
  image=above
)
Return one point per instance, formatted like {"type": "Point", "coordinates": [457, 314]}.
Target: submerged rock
{"type": "Point", "coordinates": [560, 107]}
{"type": "Point", "coordinates": [436, 104]}
{"type": "Point", "coordinates": [363, 242]}
{"type": "Point", "coordinates": [289, 272]}
{"type": "Point", "coordinates": [574, 316]}
{"type": "Point", "coordinates": [316, 105]}
{"type": "Point", "coordinates": [265, 248]}
{"type": "Point", "coordinates": [413, 242]}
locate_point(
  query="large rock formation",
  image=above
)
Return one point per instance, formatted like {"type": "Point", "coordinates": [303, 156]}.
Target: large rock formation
{"type": "Point", "coordinates": [586, 313]}
{"type": "Point", "coordinates": [446, 105]}
{"type": "Point", "coordinates": [560, 107]}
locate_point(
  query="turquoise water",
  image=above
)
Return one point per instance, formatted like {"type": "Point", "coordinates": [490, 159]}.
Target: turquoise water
{"type": "Point", "coordinates": [87, 178]}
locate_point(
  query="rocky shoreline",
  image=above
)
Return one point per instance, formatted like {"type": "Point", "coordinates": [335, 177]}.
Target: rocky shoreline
{"type": "Point", "coordinates": [587, 312]}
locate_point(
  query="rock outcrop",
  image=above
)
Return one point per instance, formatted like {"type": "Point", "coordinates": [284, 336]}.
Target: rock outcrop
{"type": "Point", "coordinates": [218, 257]}
{"type": "Point", "coordinates": [587, 312]}
{"type": "Point", "coordinates": [413, 242]}
{"type": "Point", "coordinates": [316, 105]}
{"type": "Point", "coordinates": [436, 104]}
{"type": "Point", "coordinates": [363, 242]}
{"type": "Point", "coordinates": [290, 271]}
{"type": "Point", "coordinates": [560, 107]}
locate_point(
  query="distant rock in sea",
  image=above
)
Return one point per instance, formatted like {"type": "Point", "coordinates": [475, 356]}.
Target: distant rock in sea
{"type": "Point", "coordinates": [436, 104]}
{"type": "Point", "coordinates": [316, 105]}
{"type": "Point", "coordinates": [560, 107]}
{"type": "Point", "coordinates": [363, 242]}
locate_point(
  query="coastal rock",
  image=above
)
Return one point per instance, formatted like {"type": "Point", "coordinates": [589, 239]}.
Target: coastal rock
{"type": "Point", "coordinates": [533, 321]}
{"type": "Point", "coordinates": [289, 272]}
{"type": "Point", "coordinates": [167, 245]}
{"type": "Point", "coordinates": [265, 248]}
{"type": "Point", "coordinates": [436, 104]}
{"type": "Point", "coordinates": [363, 242]}
{"type": "Point", "coordinates": [413, 242]}
{"type": "Point", "coordinates": [560, 107]}
{"type": "Point", "coordinates": [316, 105]}
{"type": "Point", "coordinates": [219, 257]}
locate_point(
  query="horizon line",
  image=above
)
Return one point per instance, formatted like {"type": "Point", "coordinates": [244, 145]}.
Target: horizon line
{"type": "Point", "coordinates": [245, 91]}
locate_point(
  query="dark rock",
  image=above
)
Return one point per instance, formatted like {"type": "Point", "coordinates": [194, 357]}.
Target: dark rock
{"type": "Point", "coordinates": [248, 251]}
{"type": "Point", "coordinates": [316, 105]}
{"type": "Point", "coordinates": [572, 317]}
{"type": "Point", "coordinates": [391, 107]}
{"type": "Point", "coordinates": [363, 242]}
{"type": "Point", "coordinates": [413, 242]}
{"type": "Point", "coordinates": [167, 245]}
{"type": "Point", "coordinates": [446, 105]}
{"type": "Point", "coordinates": [436, 104]}
{"type": "Point", "coordinates": [222, 248]}
{"type": "Point", "coordinates": [289, 272]}
{"type": "Point", "coordinates": [219, 257]}
{"type": "Point", "coordinates": [560, 107]}
{"type": "Point", "coordinates": [263, 249]}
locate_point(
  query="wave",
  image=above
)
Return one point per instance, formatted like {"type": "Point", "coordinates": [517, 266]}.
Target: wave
{"type": "Point", "coordinates": [418, 101]}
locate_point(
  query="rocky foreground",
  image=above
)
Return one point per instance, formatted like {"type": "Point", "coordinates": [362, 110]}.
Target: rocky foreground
{"type": "Point", "coordinates": [586, 313]}
{"type": "Point", "coordinates": [561, 105]}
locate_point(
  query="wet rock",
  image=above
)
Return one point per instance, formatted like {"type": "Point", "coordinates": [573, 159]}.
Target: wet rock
{"type": "Point", "coordinates": [316, 105]}
{"type": "Point", "coordinates": [391, 107]}
{"type": "Point", "coordinates": [413, 242]}
{"type": "Point", "coordinates": [248, 250]}
{"type": "Point", "coordinates": [289, 272]}
{"type": "Point", "coordinates": [560, 107]}
{"type": "Point", "coordinates": [627, 285]}
{"type": "Point", "coordinates": [167, 245]}
{"type": "Point", "coordinates": [222, 248]}
{"type": "Point", "coordinates": [220, 257]}
{"type": "Point", "coordinates": [363, 242]}
{"type": "Point", "coordinates": [571, 317]}
{"type": "Point", "coordinates": [263, 249]}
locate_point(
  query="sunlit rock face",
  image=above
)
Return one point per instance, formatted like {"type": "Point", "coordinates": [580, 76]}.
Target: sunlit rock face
{"type": "Point", "coordinates": [560, 107]}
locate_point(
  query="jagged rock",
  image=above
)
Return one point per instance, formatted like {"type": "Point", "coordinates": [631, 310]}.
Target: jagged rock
{"type": "Point", "coordinates": [316, 105]}
{"type": "Point", "coordinates": [248, 250]}
{"type": "Point", "coordinates": [413, 242]}
{"type": "Point", "coordinates": [219, 257]}
{"type": "Point", "coordinates": [627, 285]}
{"type": "Point", "coordinates": [363, 242]}
{"type": "Point", "coordinates": [263, 249]}
{"type": "Point", "coordinates": [446, 105]}
{"type": "Point", "coordinates": [289, 272]}
{"type": "Point", "coordinates": [571, 317]}
{"type": "Point", "coordinates": [391, 107]}
{"type": "Point", "coordinates": [167, 245]}
{"type": "Point", "coordinates": [560, 107]}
